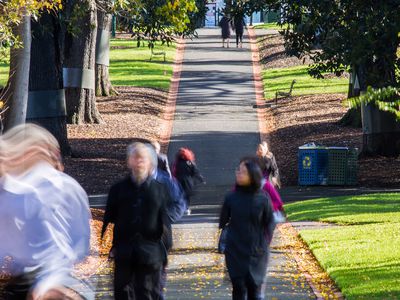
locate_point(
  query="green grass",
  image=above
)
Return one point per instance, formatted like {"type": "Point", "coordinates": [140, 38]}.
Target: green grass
{"type": "Point", "coordinates": [4, 68]}
{"type": "Point", "coordinates": [130, 65]}
{"type": "Point", "coordinates": [280, 79]}
{"type": "Point", "coordinates": [272, 26]}
{"type": "Point", "coordinates": [362, 256]}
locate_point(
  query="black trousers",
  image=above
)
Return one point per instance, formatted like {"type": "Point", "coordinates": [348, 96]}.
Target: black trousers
{"type": "Point", "coordinates": [244, 288]}
{"type": "Point", "coordinates": [239, 37]}
{"type": "Point", "coordinates": [136, 282]}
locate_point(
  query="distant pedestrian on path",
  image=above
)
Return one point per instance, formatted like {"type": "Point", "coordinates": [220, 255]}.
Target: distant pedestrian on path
{"type": "Point", "coordinates": [137, 205]}
{"type": "Point", "coordinates": [248, 214]}
{"type": "Point", "coordinates": [187, 174]}
{"type": "Point", "coordinates": [162, 158]}
{"type": "Point", "coordinates": [239, 24]}
{"type": "Point", "coordinates": [226, 24]}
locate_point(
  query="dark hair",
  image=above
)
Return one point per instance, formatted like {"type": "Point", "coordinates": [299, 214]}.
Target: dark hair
{"type": "Point", "coordinates": [255, 173]}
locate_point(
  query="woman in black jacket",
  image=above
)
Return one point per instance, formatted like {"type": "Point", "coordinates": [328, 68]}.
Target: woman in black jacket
{"type": "Point", "coordinates": [248, 212]}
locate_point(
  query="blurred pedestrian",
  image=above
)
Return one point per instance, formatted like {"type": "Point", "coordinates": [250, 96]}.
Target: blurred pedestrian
{"type": "Point", "coordinates": [247, 214]}
{"type": "Point", "coordinates": [44, 218]}
{"type": "Point", "coordinates": [162, 158]}
{"type": "Point", "coordinates": [271, 182]}
{"type": "Point", "coordinates": [187, 174]}
{"type": "Point", "coordinates": [268, 164]}
{"type": "Point", "coordinates": [137, 205]}
{"type": "Point", "coordinates": [175, 210]}
{"type": "Point", "coordinates": [239, 24]}
{"type": "Point", "coordinates": [226, 24]}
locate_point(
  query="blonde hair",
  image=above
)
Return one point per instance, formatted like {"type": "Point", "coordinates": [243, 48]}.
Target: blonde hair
{"type": "Point", "coordinates": [24, 145]}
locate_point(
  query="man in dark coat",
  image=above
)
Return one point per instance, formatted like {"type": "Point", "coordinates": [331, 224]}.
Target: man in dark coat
{"type": "Point", "coordinates": [137, 205]}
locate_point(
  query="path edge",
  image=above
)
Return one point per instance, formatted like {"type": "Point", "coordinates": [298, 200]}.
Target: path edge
{"type": "Point", "coordinates": [169, 112]}
{"type": "Point", "coordinates": [258, 85]}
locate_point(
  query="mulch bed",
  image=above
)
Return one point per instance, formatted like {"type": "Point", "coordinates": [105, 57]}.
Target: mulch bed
{"type": "Point", "coordinates": [99, 150]}
{"type": "Point", "coordinates": [313, 118]}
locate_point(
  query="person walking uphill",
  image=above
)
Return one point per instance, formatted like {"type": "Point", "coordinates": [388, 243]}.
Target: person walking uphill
{"type": "Point", "coordinates": [137, 205]}
{"type": "Point", "coordinates": [248, 214]}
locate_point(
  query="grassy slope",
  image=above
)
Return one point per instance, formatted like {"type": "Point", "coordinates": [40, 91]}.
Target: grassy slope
{"type": "Point", "coordinates": [363, 257]}
{"type": "Point", "coordinates": [130, 66]}
{"type": "Point", "coordinates": [280, 79]}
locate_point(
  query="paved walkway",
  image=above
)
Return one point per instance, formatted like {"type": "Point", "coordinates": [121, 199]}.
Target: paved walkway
{"type": "Point", "coordinates": [215, 117]}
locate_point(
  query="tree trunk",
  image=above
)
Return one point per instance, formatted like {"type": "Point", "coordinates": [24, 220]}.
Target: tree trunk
{"type": "Point", "coordinates": [103, 83]}
{"type": "Point", "coordinates": [381, 132]}
{"type": "Point", "coordinates": [46, 104]}
{"type": "Point", "coordinates": [17, 95]}
{"type": "Point", "coordinates": [79, 64]}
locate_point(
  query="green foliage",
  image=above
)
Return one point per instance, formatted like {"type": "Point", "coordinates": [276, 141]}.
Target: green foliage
{"type": "Point", "coordinates": [247, 7]}
{"type": "Point", "coordinates": [361, 35]}
{"type": "Point", "coordinates": [11, 14]}
{"type": "Point", "coordinates": [386, 99]}
{"type": "Point", "coordinates": [155, 20]}
{"type": "Point", "coordinates": [363, 255]}
{"type": "Point", "coordinates": [280, 79]}
{"type": "Point", "coordinates": [130, 65]}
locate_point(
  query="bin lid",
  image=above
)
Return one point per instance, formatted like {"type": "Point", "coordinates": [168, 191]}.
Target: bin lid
{"type": "Point", "coordinates": [338, 148]}
{"type": "Point", "coordinates": [312, 145]}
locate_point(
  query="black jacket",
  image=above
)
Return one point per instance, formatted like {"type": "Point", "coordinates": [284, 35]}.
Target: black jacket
{"type": "Point", "coordinates": [188, 175]}
{"type": "Point", "coordinates": [250, 220]}
{"type": "Point", "coordinates": [138, 213]}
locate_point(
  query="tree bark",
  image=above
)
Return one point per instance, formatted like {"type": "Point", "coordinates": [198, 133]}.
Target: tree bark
{"type": "Point", "coordinates": [80, 52]}
{"type": "Point", "coordinates": [103, 83]}
{"type": "Point", "coordinates": [17, 95]}
{"type": "Point", "coordinates": [46, 76]}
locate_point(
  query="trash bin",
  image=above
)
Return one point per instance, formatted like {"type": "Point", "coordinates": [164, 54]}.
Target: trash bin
{"type": "Point", "coordinates": [313, 165]}
{"type": "Point", "coordinates": [342, 166]}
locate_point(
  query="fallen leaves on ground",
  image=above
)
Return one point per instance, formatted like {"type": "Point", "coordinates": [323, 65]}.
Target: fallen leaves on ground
{"type": "Point", "coordinates": [307, 263]}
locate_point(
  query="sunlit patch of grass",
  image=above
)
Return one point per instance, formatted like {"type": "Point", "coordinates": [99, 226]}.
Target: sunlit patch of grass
{"type": "Point", "coordinates": [280, 79]}
{"type": "Point", "coordinates": [363, 256]}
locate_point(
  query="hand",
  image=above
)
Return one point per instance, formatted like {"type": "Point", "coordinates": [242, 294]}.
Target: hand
{"type": "Point", "coordinates": [274, 181]}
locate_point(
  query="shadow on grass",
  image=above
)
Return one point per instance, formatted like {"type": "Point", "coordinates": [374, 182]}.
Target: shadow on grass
{"type": "Point", "coordinates": [385, 276]}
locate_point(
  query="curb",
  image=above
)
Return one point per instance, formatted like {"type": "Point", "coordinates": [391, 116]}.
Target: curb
{"type": "Point", "coordinates": [258, 85]}
{"type": "Point", "coordinates": [316, 291]}
{"type": "Point", "coordinates": [169, 113]}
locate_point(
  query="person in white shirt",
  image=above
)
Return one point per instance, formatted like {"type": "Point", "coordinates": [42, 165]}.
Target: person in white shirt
{"type": "Point", "coordinates": [44, 218]}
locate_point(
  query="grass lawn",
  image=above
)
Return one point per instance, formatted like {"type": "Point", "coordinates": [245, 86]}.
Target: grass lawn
{"type": "Point", "coordinates": [281, 78]}
{"type": "Point", "coordinates": [130, 66]}
{"type": "Point", "coordinates": [362, 255]}
{"type": "Point", "coordinates": [4, 68]}
{"type": "Point", "coordinates": [272, 25]}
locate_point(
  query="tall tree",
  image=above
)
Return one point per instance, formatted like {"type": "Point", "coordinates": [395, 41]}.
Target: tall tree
{"type": "Point", "coordinates": [17, 90]}
{"type": "Point", "coordinates": [46, 105]}
{"type": "Point", "coordinates": [79, 63]}
{"type": "Point", "coordinates": [357, 36]}
{"type": "Point", "coordinates": [104, 20]}
{"type": "Point", "coordinates": [15, 31]}
{"type": "Point", "coordinates": [157, 20]}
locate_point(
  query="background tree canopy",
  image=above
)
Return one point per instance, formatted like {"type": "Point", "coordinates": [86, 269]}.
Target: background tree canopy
{"type": "Point", "coordinates": [362, 36]}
